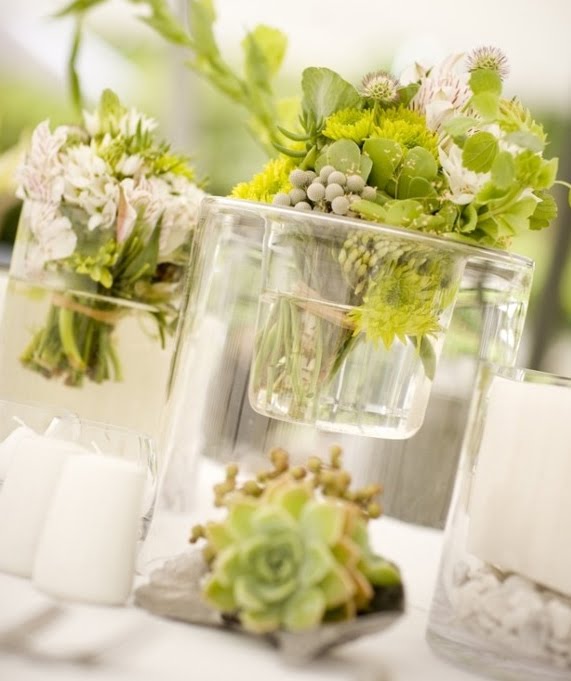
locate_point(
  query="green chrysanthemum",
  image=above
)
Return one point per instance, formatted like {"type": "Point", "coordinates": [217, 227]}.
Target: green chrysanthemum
{"type": "Point", "coordinates": [406, 127]}
{"type": "Point", "coordinates": [401, 302]}
{"type": "Point", "coordinates": [353, 124]}
{"type": "Point", "coordinates": [265, 185]}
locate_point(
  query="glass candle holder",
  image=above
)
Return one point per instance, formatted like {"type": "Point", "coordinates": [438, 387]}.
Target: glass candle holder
{"type": "Point", "coordinates": [502, 603]}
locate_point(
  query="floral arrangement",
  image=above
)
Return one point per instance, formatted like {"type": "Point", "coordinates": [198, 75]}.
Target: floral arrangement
{"type": "Point", "coordinates": [293, 550]}
{"type": "Point", "coordinates": [439, 152]}
{"type": "Point", "coordinates": [111, 210]}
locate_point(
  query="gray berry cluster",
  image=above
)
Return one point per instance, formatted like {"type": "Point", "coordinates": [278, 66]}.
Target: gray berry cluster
{"type": "Point", "coordinates": [329, 192]}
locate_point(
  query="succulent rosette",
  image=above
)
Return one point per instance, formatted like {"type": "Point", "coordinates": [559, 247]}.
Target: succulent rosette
{"type": "Point", "coordinates": [287, 556]}
{"type": "Point", "coordinates": [110, 211]}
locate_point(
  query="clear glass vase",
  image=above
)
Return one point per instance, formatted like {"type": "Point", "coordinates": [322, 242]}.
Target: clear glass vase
{"type": "Point", "coordinates": [351, 322]}
{"type": "Point", "coordinates": [210, 420]}
{"type": "Point", "coordinates": [70, 341]}
{"type": "Point", "coordinates": [502, 604]}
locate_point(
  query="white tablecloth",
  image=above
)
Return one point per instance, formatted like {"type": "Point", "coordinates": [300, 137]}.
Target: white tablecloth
{"type": "Point", "coordinates": [138, 646]}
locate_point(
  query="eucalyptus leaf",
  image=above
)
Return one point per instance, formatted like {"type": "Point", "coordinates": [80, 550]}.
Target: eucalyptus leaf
{"type": "Point", "coordinates": [485, 80]}
{"type": "Point", "coordinates": [324, 93]}
{"type": "Point", "coordinates": [344, 155]}
{"type": "Point", "coordinates": [419, 162]}
{"type": "Point", "coordinates": [503, 170]}
{"type": "Point", "coordinates": [487, 104]}
{"type": "Point", "coordinates": [414, 188]}
{"type": "Point", "coordinates": [386, 155]}
{"type": "Point", "coordinates": [479, 152]}
{"type": "Point", "coordinates": [369, 210]}
{"type": "Point", "coordinates": [402, 213]}
{"type": "Point", "coordinates": [365, 166]}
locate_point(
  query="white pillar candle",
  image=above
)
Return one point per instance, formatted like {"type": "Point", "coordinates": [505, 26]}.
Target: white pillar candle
{"type": "Point", "coordinates": [35, 466]}
{"type": "Point", "coordinates": [87, 550]}
{"type": "Point", "coordinates": [520, 503]}
{"type": "Point", "coordinates": [9, 446]}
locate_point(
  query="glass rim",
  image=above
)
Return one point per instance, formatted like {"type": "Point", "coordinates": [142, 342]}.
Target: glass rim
{"type": "Point", "coordinates": [470, 250]}
{"type": "Point", "coordinates": [524, 374]}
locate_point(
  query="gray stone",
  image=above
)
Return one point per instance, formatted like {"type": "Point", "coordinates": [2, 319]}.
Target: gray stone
{"type": "Point", "coordinates": [559, 618]}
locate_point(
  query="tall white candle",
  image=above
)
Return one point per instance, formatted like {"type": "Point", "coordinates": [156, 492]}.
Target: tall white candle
{"type": "Point", "coordinates": [87, 551]}
{"type": "Point", "coordinates": [520, 503]}
{"type": "Point", "coordinates": [9, 447]}
{"type": "Point", "coordinates": [35, 466]}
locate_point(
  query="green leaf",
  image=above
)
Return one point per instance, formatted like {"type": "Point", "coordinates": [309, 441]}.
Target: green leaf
{"type": "Point", "coordinates": [415, 188]}
{"type": "Point", "coordinates": [323, 521]}
{"type": "Point", "coordinates": [407, 93]}
{"type": "Point", "coordinates": [344, 155]}
{"type": "Point", "coordinates": [545, 212]}
{"type": "Point", "coordinates": [365, 166]}
{"type": "Point", "coordinates": [337, 587]}
{"type": "Point", "coordinates": [526, 140]}
{"type": "Point", "coordinates": [271, 46]}
{"type": "Point", "coordinates": [324, 93]}
{"type": "Point", "coordinates": [485, 80]}
{"type": "Point", "coordinates": [165, 22]}
{"type": "Point", "coordinates": [369, 210]}
{"type": "Point", "coordinates": [547, 174]}
{"type": "Point", "coordinates": [270, 519]}
{"type": "Point", "coordinates": [429, 361]}
{"type": "Point", "coordinates": [304, 610]}
{"type": "Point", "coordinates": [78, 7]}
{"type": "Point", "coordinates": [73, 76]}
{"type": "Point", "coordinates": [317, 563]}
{"type": "Point", "coordinates": [503, 170]}
{"type": "Point", "coordinates": [487, 104]}
{"type": "Point", "coordinates": [469, 219]}
{"type": "Point", "coordinates": [401, 213]}
{"type": "Point", "coordinates": [221, 597]}
{"type": "Point", "coordinates": [479, 152]}
{"type": "Point", "coordinates": [419, 162]}
{"type": "Point", "coordinates": [460, 125]}
{"type": "Point", "coordinates": [201, 18]}
{"type": "Point", "coordinates": [386, 155]}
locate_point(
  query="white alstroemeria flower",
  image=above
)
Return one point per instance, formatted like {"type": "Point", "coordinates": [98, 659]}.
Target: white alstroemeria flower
{"type": "Point", "coordinates": [133, 121]}
{"type": "Point", "coordinates": [90, 185]}
{"type": "Point", "coordinates": [129, 165]}
{"type": "Point", "coordinates": [54, 237]}
{"type": "Point", "coordinates": [40, 177]}
{"type": "Point", "coordinates": [464, 184]}
{"type": "Point", "coordinates": [443, 91]}
{"type": "Point", "coordinates": [180, 212]}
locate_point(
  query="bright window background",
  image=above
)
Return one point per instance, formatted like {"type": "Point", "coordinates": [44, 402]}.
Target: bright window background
{"type": "Point", "coordinates": [351, 37]}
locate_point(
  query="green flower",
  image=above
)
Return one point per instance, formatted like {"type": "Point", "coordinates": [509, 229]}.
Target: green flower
{"type": "Point", "coordinates": [401, 302]}
{"type": "Point", "coordinates": [288, 560]}
{"type": "Point", "coordinates": [265, 185]}
{"type": "Point", "coordinates": [353, 124]}
{"type": "Point", "coordinates": [406, 127]}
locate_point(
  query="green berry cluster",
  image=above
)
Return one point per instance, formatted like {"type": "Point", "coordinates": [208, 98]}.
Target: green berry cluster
{"type": "Point", "coordinates": [330, 191]}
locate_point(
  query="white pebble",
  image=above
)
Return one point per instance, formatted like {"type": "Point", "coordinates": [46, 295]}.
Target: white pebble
{"type": "Point", "coordinates": [559, 619]}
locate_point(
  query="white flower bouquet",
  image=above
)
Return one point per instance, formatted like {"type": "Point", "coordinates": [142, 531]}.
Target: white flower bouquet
{"type": "Point", "coordinates": [110, 212]}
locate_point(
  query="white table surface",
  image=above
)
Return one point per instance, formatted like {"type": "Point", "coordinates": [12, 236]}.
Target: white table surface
{"type": "Point", "coordinates": [145, 647]}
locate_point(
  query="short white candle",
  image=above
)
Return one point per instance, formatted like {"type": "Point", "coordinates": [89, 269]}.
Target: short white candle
{"type": "Point", "coordinates": [87, 550]}
{"type": "Point", "coordinates": [520, 503]}
{"type": "Point", "coordinates": [35, 466]}
{"type": "Point", "coordinates": [9, 447]}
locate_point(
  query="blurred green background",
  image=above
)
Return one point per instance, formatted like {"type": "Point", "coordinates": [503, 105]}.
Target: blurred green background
{"type": "Point", "coordinates": [122, 53]}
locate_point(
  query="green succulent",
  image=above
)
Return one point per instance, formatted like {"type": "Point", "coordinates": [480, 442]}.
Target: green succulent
{"type": "Point", "coordinates": [288, 557]}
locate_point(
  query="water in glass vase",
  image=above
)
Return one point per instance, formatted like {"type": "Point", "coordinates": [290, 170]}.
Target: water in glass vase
{"type": "Point", "coordinates": [309, 366]}
{"type": "Point", "coordinates": [97, 356]}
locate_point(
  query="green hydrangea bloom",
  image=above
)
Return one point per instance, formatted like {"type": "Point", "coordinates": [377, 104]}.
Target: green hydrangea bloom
{"type": "Point", "coordinates": [406, 127]}
{"type": "Point", "coordinates": [354, 124]}
{"type": "Point", "coordinates": [289, 560]}
{"type": "Point", "coordinates": [265, 185]}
